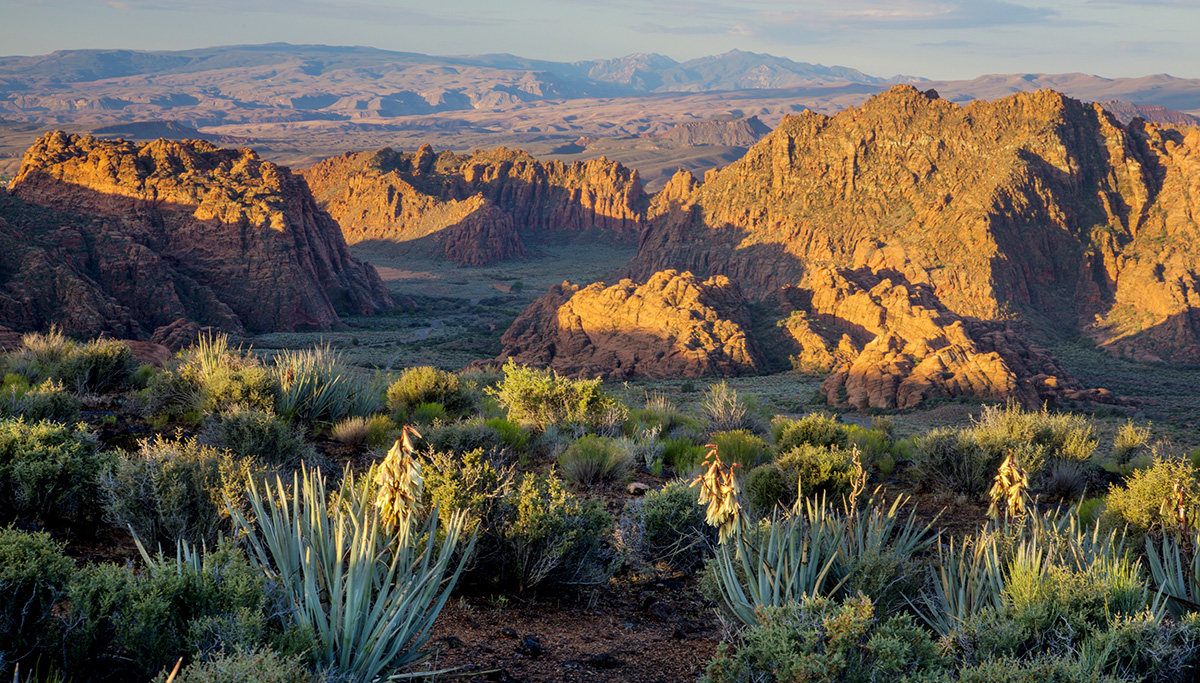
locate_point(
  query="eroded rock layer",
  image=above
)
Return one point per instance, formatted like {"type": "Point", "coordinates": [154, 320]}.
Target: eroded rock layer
{"type": "Point", "coordinates": [1035, 205]}
{"type": "Point", "coordinates": [674, 325]}
{"type": "Point", "coordinates": [141, 241]}
{"type": "Point", "coordinates": [475, 206]}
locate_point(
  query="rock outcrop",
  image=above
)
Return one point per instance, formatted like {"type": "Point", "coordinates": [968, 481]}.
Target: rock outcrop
{"type": "Point", "coordinates": [1035, 206]}
{"type": "Point", "coordinates": [139, 241]}
{"type": "Point", "coordinates": [893, 345]}
{"type": "Point", "coordinates": [734, 132]}
{"type": "Point", "coordinates": [675, 325]}
{"type": "Point", "coordinates": [475, 206]}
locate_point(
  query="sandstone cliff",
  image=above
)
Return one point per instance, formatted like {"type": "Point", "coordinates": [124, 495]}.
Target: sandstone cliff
{"type": "Point", "coordinates": [675, 325]}
{"type": "Point", "coordinates": [1035, 206]}
{"type": "Point", "coordinates": [110, 236]}
{"type": "Point", "coordinates": [475, 206]}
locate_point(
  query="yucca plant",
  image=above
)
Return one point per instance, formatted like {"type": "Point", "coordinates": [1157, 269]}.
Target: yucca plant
{"type": "Point", "coordinates": [784, 559]}
{"type": "Point", "coordinates": [315, 387]}
{"type": "Point", "coordinates": [368, 595]}
{"type": "Point", "coordinates": [968, 578]}
{"type": "Point", "coordinates": [1175, 567]}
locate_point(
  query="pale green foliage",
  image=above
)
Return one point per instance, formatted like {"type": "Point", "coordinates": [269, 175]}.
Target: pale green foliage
{"type": "Point", "coordinates": [426, 384]}
{"type": "Point", "coordinates": [1129, 440]}
{"type": "Point", "coordinates": [540, 398]}
{"type": "Point", "coordinates": [259, 666]}
{"type": "Point", "coordinates": [97, 366]}
{"type": "Point", "coordinates": [596, 460]}
{"type": "Point", "coordinates": [50, 471]}
{"type": "Point", "coordinates": [668, 526]}
{"type": "Point", "coordinates": [740, 446]}
{"type": "Point", "coordinates": [46, 401]}
{"type": "Point", "coordinates": [1140, 502]}
{"type": "Point", "coordinates": [724, 410]}
{"type": "Point", "coordinates": [369, 597]}
{"type": "Point", "coordinates": [262, 436]}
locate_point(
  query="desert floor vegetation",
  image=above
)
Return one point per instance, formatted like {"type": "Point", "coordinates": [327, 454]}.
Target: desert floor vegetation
{"type": "Point", "coordinates": [300, 516]}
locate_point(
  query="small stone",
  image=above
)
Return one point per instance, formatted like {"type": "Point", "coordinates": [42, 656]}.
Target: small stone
{"type": "Point", "coordinates": [637, 488]}
{"type": "Point", "coordinates": [506, 633]}
{"type": "Point", "coordinates": [605, 660]}
{"type": "Point", "coordinates": [530, 647]}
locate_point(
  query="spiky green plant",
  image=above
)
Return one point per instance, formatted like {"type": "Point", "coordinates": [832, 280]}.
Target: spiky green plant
{"type": "Point", "coordinates": [1175, 568]}
{"type": "Point", "coordinates": [316, 387]}
{"type": "Point", "coordinates": [782, 560]}
{"type": "Point", "coordinates": [369, 596]}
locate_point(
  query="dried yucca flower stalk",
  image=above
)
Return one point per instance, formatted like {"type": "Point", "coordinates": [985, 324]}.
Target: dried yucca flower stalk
{"type": "Point", "coordinates": [399, 481]}
{"type": "Point", "coordinates": [1009, 489]}
{"type": "Point", "coordinates": [719, 490]}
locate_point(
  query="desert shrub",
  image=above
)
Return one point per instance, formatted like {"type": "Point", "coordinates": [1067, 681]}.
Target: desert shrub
{"type": "Point", "coordinates": [95, 367]}
{"type": "Point", "coordinates": [170, 490]}
{"type": "Point", "coordinates": [541, 398]}
{"type": "Point", "coordinates": [821, 639]}
{"type": "Point", "coordinates": [247, 384]}
{"type": "Point", "coordinates": [98, 366]}
{"type": "Point", "coordinates": [262, 436]}
{"type": "Point", "coordinates": [460, 437]}
{"type": "Point", "coordinates": [817, 429]}
{"type": "Point", "coordinates": [259, 665]}
{"type": "Point", "coordinates": [33, 577]}
{"type": "Point", "coordinates": [1062, 481]}
{"type": "Point", "coordinates": [47, 401]}
{"type": "Point", "coordinates": [381, 431]}
{"type": "Point", "coordinates": [724, 410]}
{"type": "Point", "coordinates": [186, 605]}
{"type": "Point", "coordinates": [172, 394]}
{"type": "Point", "coordinates": [511, 433]}
{"type": "Point", "coordinates": [682, 454]}
{"type": "Point", "coordinates": [873, 444]}
{"type": "Point", "coordinates": [646, 448]}
{"type": "Point", "coordinates": [766, 488]}
{"type": "Point", "coordinates": [1040, 439]}
{"type": "Point", "coordinates": [820, 470]}
{"type": "Point", "coordinates": [315, 386]}
{"type": "Point", "coordinates": [426, 384]}
{"type": "Point", "coordinates": [948, 459]}
{"type": "Point", "coordinates": [1049, 668]}
{"type": "Point", "coordinates": [741, 447]}
{"type": "Point", "coordinates": [596, 460]}
{"type": "Point", "coordinates": [49, 471]}
{"type": "Point", "coordinates": [1139, 504]}
{"type": "Point", "coordinates": [351, 431]}
{"type": "Point", "coordinates": [554, 539]}
{"type": "Point", "coordinates": [668, 526]}
{"type": "Point", "coordinates": [658, 412]}
{"type": "Point", "coordinates": [429, 413]}
{"type": "Point", "coordinates": [1129, 440]}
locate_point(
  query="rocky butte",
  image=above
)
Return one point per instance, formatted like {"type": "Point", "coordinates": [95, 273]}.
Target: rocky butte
{"type": "Point", "coordinates": [157, 240]}
{"type": "Point", "coordinates": [474, 209]}
{"type": "Point", "coordinates": [905, 244]}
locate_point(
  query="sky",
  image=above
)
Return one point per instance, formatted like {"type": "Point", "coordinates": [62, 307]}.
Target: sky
{"type": "Point", "coordinates": [937, 39]}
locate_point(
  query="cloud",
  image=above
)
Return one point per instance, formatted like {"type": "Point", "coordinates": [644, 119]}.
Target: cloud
{"type": "Point", "coordinates": [917, 14]}
{"type": "Point", "coordinates": [358, 10]}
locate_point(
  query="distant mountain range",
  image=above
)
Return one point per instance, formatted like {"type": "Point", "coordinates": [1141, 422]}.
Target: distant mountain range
{"type": "Point", "coordinates": [297, 104]}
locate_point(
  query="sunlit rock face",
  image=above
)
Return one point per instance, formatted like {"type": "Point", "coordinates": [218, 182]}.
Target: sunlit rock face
{"type": "Point", "coordinates": [477, 208]}
{"type": "Point", "coordinates": [111, 236]}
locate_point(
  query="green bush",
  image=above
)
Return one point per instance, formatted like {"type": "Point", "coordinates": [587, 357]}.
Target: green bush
{"type": "Point", "coordinates": [741, 447]}
{"type": "Point", "coordinates": [429, 413]}
{"type": "Point", "coordinates": [171, 490]}
{"type": "Point", "coordinates": [351, 431]}
{"type": "Point", "coordinates": [50, 471]}
{"type": "Point", "coordinates": [33, 577]}
{"type": "Point", "coordinates": [819, 639]}
{"type": "Point", "coordinates": [682, 454]}
{"type": "Point", "coordinates": [554, 539]}
{"type": "Point", "coordinates": [460, 437]}
{"type": "Point", "coordinates": [190, 606]}
{"type": "Point", "coordinates": [246, 384]}
{"type": "Point", "coordinates": [661, 413]}
{"type": "Point", "coordinates": [596, 460]}
{"type": "Point", "coordinates": [425, 384]}
{"type": "Point", "coordinates": [947, 459]}
{"type": "Point", "coordinates": [668, 526]}
{"type": "Point", "coordinates": [264, 437]}
{"type": "Point", "coordinates": [765, 488]}
{"type": "Point", "coordinates": [1139, 504]}
{"type": "Point", "coordinates": [512, 434]}
{"type": "Point", "coordinates": [259, 666]}
{"type": "Point", "coordinates": [1040, 439]}
{"type": "Point", "coordinates": [820, 470]}
{"type": "Point", "coordinates": [172, 394]}
{"type": "Point", "coordinates": [98, 366]}
{"type": "Point", "coordinates": [47, 401]}
{"type": "Point", "coordinates": [540, 398]}
{"type": "Point", "coordinates": [817, 429]}
{"type": "Point", "coordinates": [1129, 440]}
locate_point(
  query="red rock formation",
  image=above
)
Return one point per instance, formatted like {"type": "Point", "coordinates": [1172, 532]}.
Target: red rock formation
{"type": "Point", "coordinates": [459, 200]}
{"type": "Point", "coordinates": [893, 345]}
{"type": "Point", "coordinates": [1036, 204]}
{"type": "Point", "coordinates": [110, 236]}
{"type": "Point", "coordinates": [675, 325]}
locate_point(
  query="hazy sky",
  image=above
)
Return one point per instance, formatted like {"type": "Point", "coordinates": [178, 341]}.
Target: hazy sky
{"type": "Point", "coordinates": [931, 38]}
